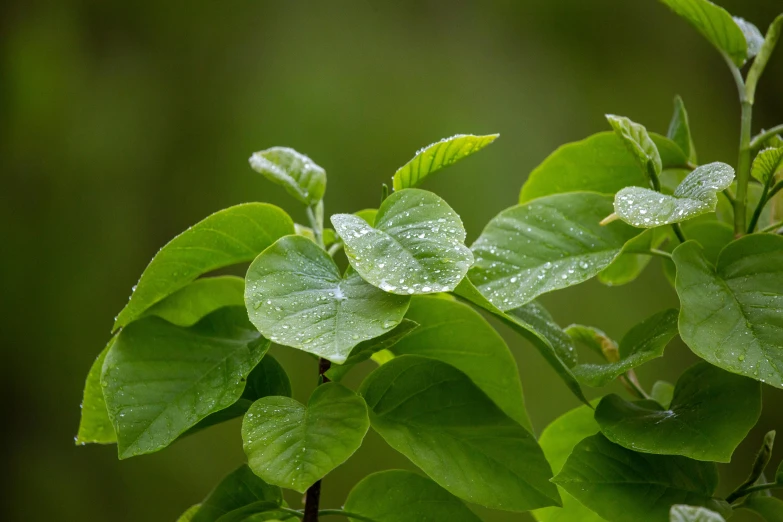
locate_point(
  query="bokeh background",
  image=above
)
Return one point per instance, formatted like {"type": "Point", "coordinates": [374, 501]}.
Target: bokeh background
{"type": "Point", "coordinates": [121, 123]}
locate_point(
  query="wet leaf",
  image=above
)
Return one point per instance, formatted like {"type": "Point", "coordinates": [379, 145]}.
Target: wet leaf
{"type": "Point", "coordinates": [680, 130]}
{"type": "Point", "coordinates": [638, 142]}
{"type": "Point", "coordinates": [683, 513]}
{"type": "Point", "coordinates": [753, 36]}
{"type": "Point", "coordinates": [297, 173]}
{"type": "Point", "coordinates": [767, 165]}
{"type": "Point", "coordinates": [238, 489]}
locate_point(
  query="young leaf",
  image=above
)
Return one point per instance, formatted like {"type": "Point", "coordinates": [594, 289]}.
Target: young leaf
{"type": "Point", "coordinates": [189, 304]}
{"type": "Point", "coordinates": [159, 379]}
{"type": "Point", "coordinates": [767, 165]}
{"type": "Point", "coordinates": [368, 214]}
{"type": "Point", "coordinates": [433, 414]}
{"type": "Point", "coordinates": [643, 343]}
{"type": "Point", "coordinates": [730, 314]}
{"type": "Point", "coordinates": [662, 392]}
{"type": "Point", "coordinates": [539, 318]}
{"type": "Point", "coordinates": [234, 235]}
{"type": "Point", "coordinates": [437, 156]}
{"type": "Point", "coordinates": [596, 340]}
{"type": "Point", "coordinates": [297, 173]}
{"type": "Point", "coordinates": [753, 36]}
{"type": "Point", "coordinates": [188, 515]}
{"type": "Point", "coordinates": [760, 463]}
{"type": "Point", "coordinates": [238, 489]}
{"type": "Point", "coordinates": [415, 247]}
{"type": "Point", "coordinates": [696, 195]}
{"type": "Point", "coordinates": [296, 297]}
{"type": "Point", "coordinates": [95, 427]}
{"type": "Point", "coordinates": [624, 486]}
{"type": "Point", "coordinates": [683, 513]}
{"type": "Point", "coordinates": [716, 25]}
{"type": "Point", "coordinates": [680, 130]}
{"type": "Point", "coordinates": [638, 142]}
{"type": "Point", "coordinates": [760, 63]}
{"type": "Point", "coordinates": [710, 414]}
{"type": "Point", "coordinates": [769, 509]}
{"type": "Point", "coordinates": [293, 446]}
{"type": "Point", "coordinates": [404, 496]}
{"type": "Point", "coordinates": [544, 245]}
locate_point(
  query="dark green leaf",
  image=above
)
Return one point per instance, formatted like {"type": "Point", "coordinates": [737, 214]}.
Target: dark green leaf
{"type": "Point", "coordinates": [189, 304]}
{"type": "Point", "coordinates": [293, 446]}
{"type": "Point", "coordinates": [638, 142]}
{"type": "Point", "coordinates": [95, 426]}
{"type": "Point", "coordinates": [240, 488]}
{"type": "Point", "coordinates": [535, 315]}
{"type": "Point", "coordinates": [680, 130]}
{"type": "Point", "coordinates": [760, 463]}
{"type": "Point", "coordinates": [662, 392]}
{"type": "Point", "coordinates": [683, 513]}
{"type": "Point", "coordinates": [296, 297]}
{"type": "Point", "coordinates": [768, 508]}
{"type": "Point", "coordinates": [433, 414]}
{"type": "Point", "coordinates": [767, 165]}
{"type": "Point", "coordinates": [300, 176]}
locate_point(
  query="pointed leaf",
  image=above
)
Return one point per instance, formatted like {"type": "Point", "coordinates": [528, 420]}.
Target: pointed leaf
{"type": "Point", "coordinates": [188, 515]}
{"type": "Point", "coordinates": [767, 165]}
{"type": "Point", "coordinates": [296, 297]}
{"type": "Point", "coordinates": [404, 496]}
{"type": "Point", "coordinates": [238, 489]}
{"type": "Point", "coordinates": [234, 235]}
{"type": "Point", "coordinates": [433, 414]}
{"type": "Point", "coordinates": [753, 36]}
{"type": "Point", "coordinates": [638, 142]}
{"type": "Point", "coordinates": [762, 459]}
{"type": "Point", "coordinates": [437, 156]}
{"type": "Point", "coordinates": [95, 427]}
{"type": "Point", "coordinates": [297, 173]}
{"type": "Point", "coordinates": [189, 304]}
{"type": "Point", "coordinates": [769, 509]}
{"type": "Point", "coordinates": [544, 245]}
{"type": "Point", "coordinates": [415, 247]}
{"type": "Point", "coordinates": [293, 446]}
{"type": "Point", "coordinates": [680, 130]}
{"type": "Point", "coordinates": [683, 513]}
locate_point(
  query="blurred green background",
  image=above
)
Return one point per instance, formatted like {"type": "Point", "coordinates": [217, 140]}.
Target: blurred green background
{"type": "Point", "coordinates": [122, 123]}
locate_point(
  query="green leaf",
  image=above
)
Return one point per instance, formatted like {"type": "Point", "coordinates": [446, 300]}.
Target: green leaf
{"type": "Point", "coordinates": [160, 379]}
{"type": "Point", "coordinates": [779, 474]}
{"type": "Point", "coordinates": [596, 340]}
{"type": "Point", "coordinates": [558, 441]}
{"type": "Point", "coordinates": [189, 304]}
{"type": "Point", "coordinates": [638, 142]}
{"type": "Point", "coordinates": [404, 496]}
{"type": "Point", "coordinates": [454, 333]}
{"type": "Point", "coordinates": [296, 297]}
{"type": "Point", "coordinates": [415, 247]}
{"type": "Point", "coordinates": [768, 508]}
{"type": "Point", "coordinates": [544, 245]}
{"type": "Point", "coordinates": [293, 446]}
{"type": "Point", "coordinates": [716, 25]}
{"type": "Point", "coordinates": [643, 343]}
{"type": "Point", "coordinates": [188, 515]}
{"type": "Point", "coordinates": [710, 414]}
{"type": "Point", "coordinates": [437, 156]}
{"type": "Point", "coordinates": [730, 315]}
{"type": "Point", "coordinates": [631, 262]}
{"type": "Point", "coordinates": [368, 214]}
{"type": "Point", "coordinates": [680, 130]}
{"type": "Point", "coordinates": [624, 486]}
{"type": "Point", "coordinates": [753, 36]}
{"type": "Point", "coordinates": [713, 236]}
{"type": "Point", "coordinates": [662, 392]}
{"type": "Point", "coordinates": [437, 417]}
{"type": "Point", "coordinates": [251, 512]}
{"type": "Point", "coordinates": [683, 513]}
{"type": "Point", "coordinates": [760, 63]}
{"type": "Point", "coordinates": [535, 315]}
{"type": "Point", "coordinates": [696, 195]}
{"type": "Point", "coordinates": [760, 463]}
{"type": "Point", "coordinates": [767, 165]}
{"type": "Point", "coordinates": [297, 173]}
{"type": "Point", "coordinates": [95, 427]}
{"type": "Point", "coordinates": [234, 235]}
{"type": "Point", "coordinates": [238, 489]}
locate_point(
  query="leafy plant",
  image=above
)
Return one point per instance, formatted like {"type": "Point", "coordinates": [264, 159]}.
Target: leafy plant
{"type": "Point", "coordinates": [190, 350]}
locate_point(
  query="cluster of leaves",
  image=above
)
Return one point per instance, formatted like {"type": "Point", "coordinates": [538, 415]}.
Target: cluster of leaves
{"type": "Point", "coordinates": [191, 351]}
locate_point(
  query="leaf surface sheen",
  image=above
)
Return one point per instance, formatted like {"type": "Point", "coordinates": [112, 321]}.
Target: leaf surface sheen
{"type": "Point", "coordinates": [297, 173]}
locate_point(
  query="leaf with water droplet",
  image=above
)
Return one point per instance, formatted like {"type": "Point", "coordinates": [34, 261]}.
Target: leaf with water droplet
{"type": "Point", "coordinates": [416, 245]}
{"type": "Point", "coordinates": [684, 513]}
{"type": "Point", "coordinates": [638, 142]}
{"type": "Point", "coordinates": [237, 490]}
{"type": "Point", "coordinates": [297, 173]}
{"type": "Point", "coordinates": [296, 297]}
{"type": "Point", "coordinates": [753, 36]}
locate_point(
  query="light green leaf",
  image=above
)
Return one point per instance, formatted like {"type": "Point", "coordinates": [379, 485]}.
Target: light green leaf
{"type": "Point", "coordinates": [329, 235]}
{"type": "Point", "coordinates": [710, 414]}
{"type": "Point", "coordinates": [683, 513]}
{"type": "Point", "coordinates": [730, 315]}
{"type": "Point", "coordinates": [95, 427]}
{"type": "Point", "coordinates": [159, 379]}
{"type": "Point", "coordinates": [234, 235]}
{"type": "Point", "coordinates": [638, 142]}
{"type": "Point", "coordinates": [454, 333]}
{"type": "Point", "coordinates": [753, 36]}
{"type": "Point", "coordinates": [238, 489]}
{"type": "Point", "coordinates": [696, 195]}
{"type": "Point", "coordinates": [544, 245]}
{"type": "Point", "coordinates": [768, 508]}
{"type": "Point", "coordinates": [680, 130]}
{"type": "Point", "coordinates": [595, 339]}
{"type": "Point", "coordinates": [293, 446]}
{"type": "Point", "coordinates": [297, 173]}
{"type": "Point", "coordinates": [368, 214]}
{"type": "Point", "coordinates": [189, 304]}
{"type": "Point", "coordinates": [624, 486]}
{"type": "Point", "coordinates": [767, 165]}
{"type": "Point", "coordinates": [188, 515]}
{"type": "Point", "coordinates": [662, 392]}
{"type": "Point", "coordinates": [437, 156]}
{"type": "Point", "coordinates": [433, 414]}
{"type": "Point", "coordinates": [716, 25]}
{"type": "Point", "coordinates": [631, 261]}
{"type": "Point", "coordinates": [404, 496]}
{"type": "Point", "coordinates": [296, 297]}
{"type": "Point", "coordinates": [415, 247]}
{"type": "Point", "coordinates": [643, 343]}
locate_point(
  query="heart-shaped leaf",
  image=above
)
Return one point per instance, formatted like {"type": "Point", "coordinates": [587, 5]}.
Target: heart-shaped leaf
{"type": "Point", "coordinates": [238, 489]}
{"type": "Point", "coordinates": [297, 173]}
{"type": "Point", "coordinates": [696, 195]}
{"type": "Point", "coordinates": [433, 414]}
{"type": "Point", "coordinates": [638, 142]}
{"type": "Point", "coordinates": [767, 165]}
{"type": "Point", "coordinates": [415, 247]}
{"type": "Point", "coordinates": [710, 414]}
{"type": "Point", "coordinates": [680, 130]}
{"type": "Point", "coordinates": [544, 245]}
{"type": "Point", "coordinates": [404, 496]}
{"type": "Point", "coordinates": [296, 297]}
{"type": "Point", "coordinates": [730, 314]}
{"type": "Point", "coordinates": [437, 156]}
{"type": "Point", "coordinates": [293, 446]}
{"type": "Point", "coordinates": [160, 379]}
{"type": "Point", "coordinates": [683, 513]}
{"type": "Point", "coordinates": [624, 486]}
{"type": "Point", "coordinates": [234, 235]}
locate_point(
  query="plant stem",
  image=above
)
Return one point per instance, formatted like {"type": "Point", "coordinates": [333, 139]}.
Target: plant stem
{"type": "Point", "coordinates": [752, 489]}
{"type": "Point", "coordinates": [315, 216]}
{"type": "Point", "coordinates": [743, 168]}
{"type": "Point", "coordinates": [678, 232]}
{"type": "Point", "coordinates": [772, 227]}
{"type": "Point", "coordinates": [763, 136]}
{"type": "Point", "coordinates": [313, 495]}
{"type": "Point", "coordinates": [633, 385]}
{"type": "Point", "coordinates": [757, 213]}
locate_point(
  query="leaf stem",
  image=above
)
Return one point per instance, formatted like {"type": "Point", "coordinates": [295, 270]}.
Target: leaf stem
{"type": "Point", "coordinates": [335, 248]}
{"type": "Point", "coordinates": [678, 232]}
{"type": "Point", "coordinates": [772, 227]}
{"type": "Point", "coordinates": [315, 214]}
{"type": "Point", "coordinates": [659, 253]}
{"type": "Point", "coordinates": [765, 196]}
{"type": "Point", "coordinates": [743, 168]}
{"type": "Point", "coordinates": [633, 385]}
{"type": "Point", "coordinates": [752, 489]}
{"type": "Point", "coordinates": [760, 138]}
{"type": "Point", "coordinates": [313, 495]}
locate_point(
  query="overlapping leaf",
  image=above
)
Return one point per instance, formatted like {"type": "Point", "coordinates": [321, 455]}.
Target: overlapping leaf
{"type": "Point", "coordinates": [680, 130]}
{"type": "Point", "coordinates": [189, 304]}
{"type": "Point", "coordinates": [238, 489]}
{"type": "Point", "coordinates": [683, 513]}
{"type": "Point", "coordinates": [633, 258]}
{"type": "Point", "coordinates": [636, 139]}
{"type": "Point", "coordinates": [767, 165]}
{"type": "Point", "coordinates": [95, 427]}
{"type": "Point", "coordinates": [297, 173]}
{"type": "Point", "coordinates": [770, 509]}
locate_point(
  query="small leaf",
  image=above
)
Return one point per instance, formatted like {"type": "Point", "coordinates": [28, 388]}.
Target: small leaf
{"type": "Point", "coordinates": [368, 214]}
{"type": "Point", "coordinates": [683, 513]}
{"type": "Point", "coordinates": [544, 245]}
{"type": "Point", "coordinates": [662, 392]}
{"type": "Point", "coordinates": [710, 414]}
{"type": "Point", "coordinates": [296, 297]}
{"type": "Point", "coordinates": [234, 235]}
{"type": "Point", "coordinates": [730, 314]}
{"type": "Point", "coordinates": [293, 446]}
{"type": "Point", "coordinates": [767, 165]}
{"type": "Point", "coordinates": [753, 36]}
{"type": "Point", "coordinates": [297, 173]}
{"type": "Point", "coordinates": [680, 130]}
{"type": "Point", "coordinates": [404, 496]}
{"type": "Point", "coordinates": [760, 463]}
{"type": "Point", "coordinates": [433, 414]}
{"type": "Point", "coordinates": [768, 508]}
{"type": "Point", "coordinates": [696, 195]}
{"type": "Point", "coordinates": [159, 379]}
{"type": "Point", "coordinates": [415, 247]}
{"type": "Point", "coordinates": [238, 489]}
{"type": "Point", "coordinates": [596, 340]}
{"type": "Point", "coordinates": [638, 142]}
{"type": "Point", "coordinates": [437, 156]}
{"type": "Point", "coordinates": [189, 304]}
{"type": "Point", "coordinates": [632, 261]}
{"type": "Point", "coordinates": [95, 427]}
{"type": "Point", "coordinates": [624, 486]}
